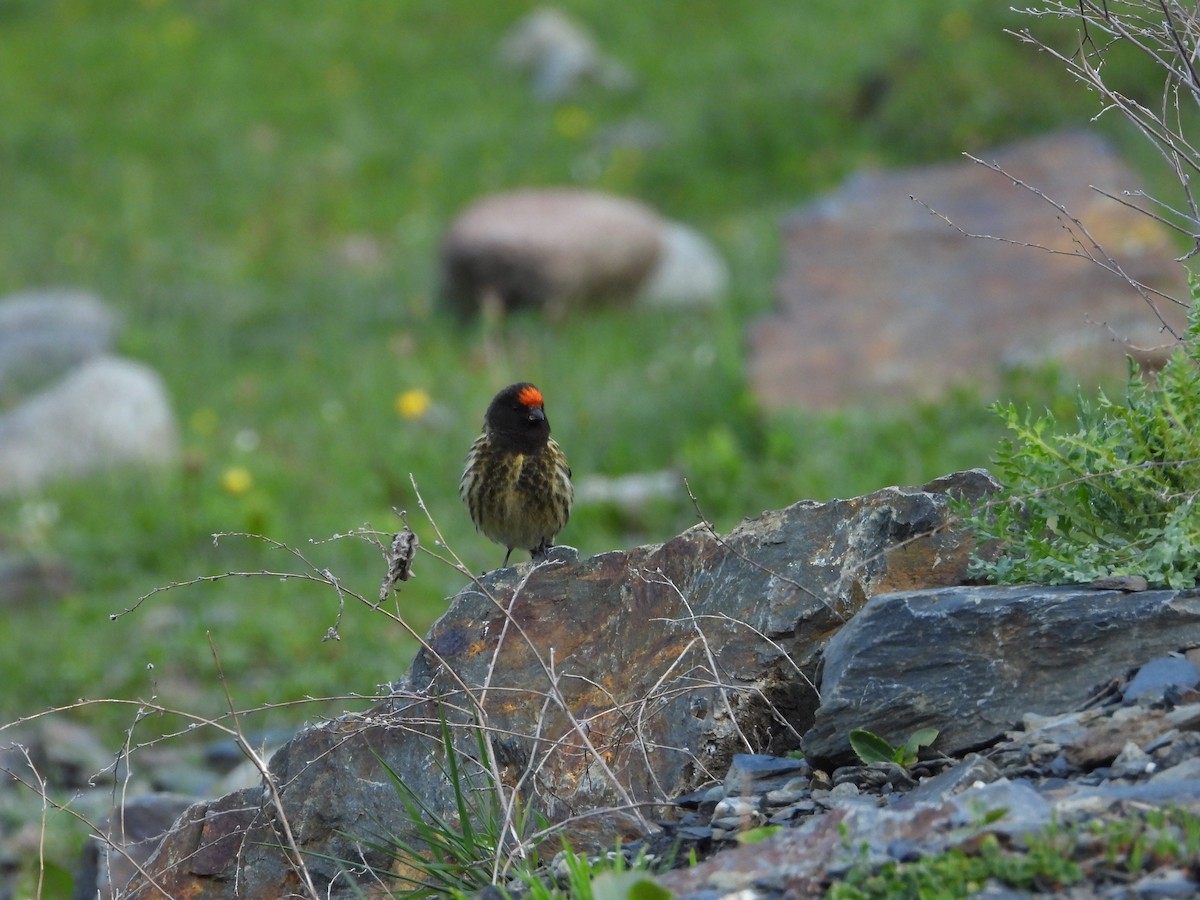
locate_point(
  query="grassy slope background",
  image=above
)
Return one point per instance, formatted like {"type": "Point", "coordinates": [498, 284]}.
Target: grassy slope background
{"type": "Point", "coordinates": [259, 188]}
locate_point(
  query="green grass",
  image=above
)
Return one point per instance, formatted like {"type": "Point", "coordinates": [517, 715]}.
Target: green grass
{"type": "Point", "coordinates": [202, 166]}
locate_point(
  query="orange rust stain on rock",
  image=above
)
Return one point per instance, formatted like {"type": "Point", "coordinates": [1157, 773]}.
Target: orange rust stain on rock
{"type": "Point", "coordinates": [925, 563]}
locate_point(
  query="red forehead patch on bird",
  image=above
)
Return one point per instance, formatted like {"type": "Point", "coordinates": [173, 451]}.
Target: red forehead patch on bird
{"type": "Point", "coordinates": [530, 396]}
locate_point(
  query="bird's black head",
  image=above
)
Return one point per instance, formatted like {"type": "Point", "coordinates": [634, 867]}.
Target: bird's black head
{"type": "Point", "coordinates": [517, 416]}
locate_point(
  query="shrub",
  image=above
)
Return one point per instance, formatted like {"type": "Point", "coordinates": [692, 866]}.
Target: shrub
{"type": "Point", "coordinates": [1113, 496]}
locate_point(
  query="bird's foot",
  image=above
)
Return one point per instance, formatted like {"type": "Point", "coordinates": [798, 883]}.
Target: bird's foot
{"type": "Point", "coordinates": [559, 553]}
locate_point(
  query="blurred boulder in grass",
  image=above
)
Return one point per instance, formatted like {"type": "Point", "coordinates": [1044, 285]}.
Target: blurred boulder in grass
{"type": "Point", "coordinates": [560, 56]}
{"type": "Point", "coordinates": [70, 407]}
{"type": "Point", "coordinates": [105, 413]}
{"type": "Point", "coordinates": [880, 300]}
{"type": "Point", "coordinates": [556, 249]}
{"type": "Point", "coordinates": [690, 270]}
{"type": "Point", "coordinates": [45, 332]}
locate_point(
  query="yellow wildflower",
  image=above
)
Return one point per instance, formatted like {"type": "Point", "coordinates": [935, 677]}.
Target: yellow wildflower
{"type": "Point", "coordinates": [412, 404]}
{"type": "Point", "coordinates": [237, 480]}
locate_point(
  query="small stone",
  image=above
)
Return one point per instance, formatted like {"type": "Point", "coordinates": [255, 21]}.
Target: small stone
{"type": "Point", "coordinates": [748, 771]}
{"type": "Point", "coordinates": [1060, 767]}
{"type": "Point", "coordinates": [699, 799]}
{"type": "Point", "coordinates": [1165, 883]}
{"type": "Point", "coordinates": [1158, 675]}
{"type": "Point", "coordinates": [1187, 717]}
{"type": "Point", "coordinates": [1184, 746]}
{"type": "Point", "coordinates": [1132, 762]}
{"type": "Point", "coordinates": [1187, 770]}
{"type": "Point", "coordinates": [905, 850]}
{"type": "Point", "coordinates": [786, 796]}
{"type": "Point", "coordinates": [735, 807]}
{"type": "Point", "coordinates": [1127, 583]}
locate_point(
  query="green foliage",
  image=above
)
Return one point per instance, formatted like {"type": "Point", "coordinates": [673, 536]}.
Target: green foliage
{"type": "Point", "coordinates": [754, 835]}
{"type": "Point", "coordinates": [476, 847]}
{"type": "Point", "coordinates": [625, 886]}
{"type": "Point", "coordinates": [603, 878]}
{"type": "Point", "coordinates": [1115, 495]}
{"type": "Point", "coordinates": [957, 873]}
{"type": "Point", "coordinates": [461, 854]}
{"type": "Point", "coordinates": [1155, 838]}
{"type": "Point", "coordinates": [871, 748]}
{"type": "Point", "coordinates": [1054, 858]}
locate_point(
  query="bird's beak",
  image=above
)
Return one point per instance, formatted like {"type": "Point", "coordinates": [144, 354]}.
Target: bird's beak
{"type": "Point", "coordinates": [537, 414]}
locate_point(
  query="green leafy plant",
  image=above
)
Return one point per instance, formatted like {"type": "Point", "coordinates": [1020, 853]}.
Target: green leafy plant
{"type": "Point", "coordinates": [871, 748]}
{"type": "Point", "coordinates": [957, 873]}
{"type": "Point", "coordinates": [1114, 495]}
{"type": "Point", "coordinates": [1102, 851]}
{"type": "Point", "coordinates": [608, 877]}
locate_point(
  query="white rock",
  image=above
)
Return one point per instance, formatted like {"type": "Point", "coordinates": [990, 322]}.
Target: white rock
{"type": "Point", "coordinates": [690, 270]}
{"type": "Point", "coordinates": [560, 54]}
{"type": "Point", "coordinates": [106, 412]}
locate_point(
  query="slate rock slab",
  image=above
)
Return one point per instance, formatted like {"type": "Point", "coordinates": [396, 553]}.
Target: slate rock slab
{"type": "Point", "coordinates": [972, 661]}
{"type": "Point", "coordinates": [880, 301]}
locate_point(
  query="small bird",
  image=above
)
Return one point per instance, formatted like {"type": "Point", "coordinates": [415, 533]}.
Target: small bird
{"type": "Point", "coordinates": [517, 483]}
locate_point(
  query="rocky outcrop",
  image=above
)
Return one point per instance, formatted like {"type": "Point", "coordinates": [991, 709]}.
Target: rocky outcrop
{"type": "Point", "coordinates": [606, 686]}
{"type": "Point", "coordinates": [880, 300]}
{"type": "Point", "coordinates": [652, 695]}
{"type": "Point", "coordinates": [1074, 774]}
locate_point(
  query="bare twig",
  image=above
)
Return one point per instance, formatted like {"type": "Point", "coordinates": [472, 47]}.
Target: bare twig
{"type": "Point", "coordinates": [292, 850]}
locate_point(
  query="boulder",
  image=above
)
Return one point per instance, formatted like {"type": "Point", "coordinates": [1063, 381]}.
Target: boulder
{"type": "Point", "coordinates": [130, 836]}
{"type": "Point", "coordinates": [1015, 650]}
{"type": "Point", "coordinates": [601, 688]}
{"type": "Point", "coordinates": [46, 332]}
{"type": "Point", "coordinates": [106, 412]}
{"type": "Point", "coordinates": [690, 271]}
{"type": "Point", "coordinates": [560, 55]}
{"type": "Point", "coordinates": [549, 249]}
{"type": "Point", "coordinates": [881, 301]}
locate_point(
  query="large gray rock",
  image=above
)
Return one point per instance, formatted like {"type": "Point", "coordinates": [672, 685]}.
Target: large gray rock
{"type": "Point", "coordinates": [971, 661]}
{"type": "Point", "coordinates": [107, 412]}
{"type": "Point", "coordinates": [622, 679]}
{"type": "Point", "coordinates": [130, 837]}
{"type": "Point", "coordinates": [45, 332]}
{"type": "Point", "coordinates": [881, 301]}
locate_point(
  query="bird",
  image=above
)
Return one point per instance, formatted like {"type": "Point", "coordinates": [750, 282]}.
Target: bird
{"type": "Point", "coordinates": [516, 481]}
